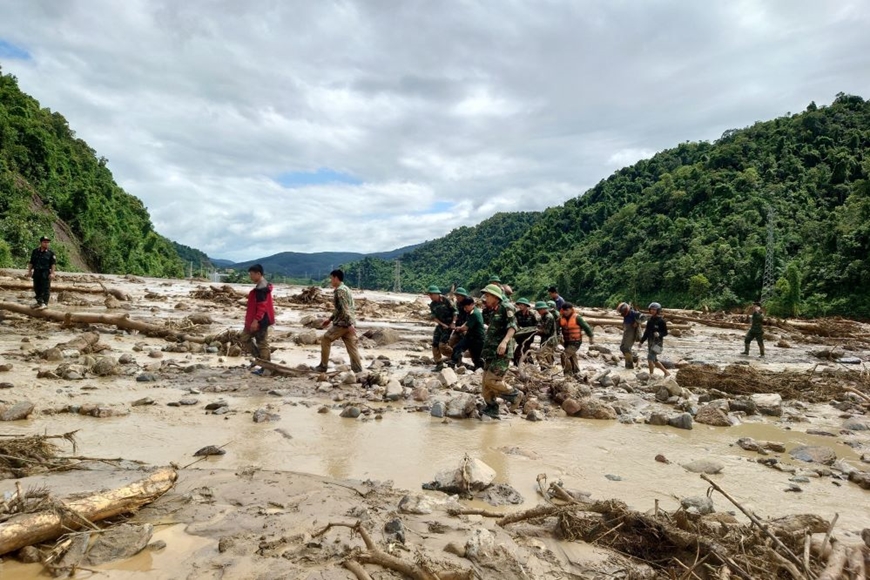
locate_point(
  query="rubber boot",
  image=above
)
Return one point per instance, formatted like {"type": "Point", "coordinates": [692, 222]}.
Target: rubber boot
{"type": "Point", "coordinates": [491, 410]}
{"type": "Point", "coordinates": [629, 360]}
{"type": "Point", "coordinates": [761, 349]}
{"type": "Point", "coordinates": [514, 398]}
{"type": "Point", "coordinates": [746, 350]}
{"type": "Point", "coordinates": [436, 356]}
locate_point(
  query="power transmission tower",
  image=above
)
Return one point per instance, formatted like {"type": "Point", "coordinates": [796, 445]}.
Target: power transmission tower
{"type": "Point", "coordinates": [397, 277]}
{"type": "Point", "coordinates": [769, 274]}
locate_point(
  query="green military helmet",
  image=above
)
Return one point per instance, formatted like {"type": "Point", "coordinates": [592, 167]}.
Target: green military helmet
{"type": "Point", "coordinates": [494, 290]}
{"type": "Point", "coordinates": [551, 304]}
{"type": "Point", "coordinates": [433, 289]}
{"type": "Point", "coordinates": [494, 279]}
{"type": "Point", "coordinates": [524, 301]}
{"type": "Point", "coordinates": [541, 305]}
{"type": "Point", "coordinates": [461, 291]}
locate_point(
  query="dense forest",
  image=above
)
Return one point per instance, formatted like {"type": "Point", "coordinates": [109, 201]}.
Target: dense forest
{"type": "Point", "coordinates": [461, 257]}
{"type": "Point", "coordinates": [688, 227]}
{"type": "Point", "coordinates": [53, 183]}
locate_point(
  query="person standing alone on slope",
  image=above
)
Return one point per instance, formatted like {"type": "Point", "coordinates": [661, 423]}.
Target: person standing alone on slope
{"type": "Point", "coordinates": [41, 268]}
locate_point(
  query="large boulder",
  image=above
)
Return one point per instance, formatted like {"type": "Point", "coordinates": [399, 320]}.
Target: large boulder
{"type": "Point", "coordinates": [708, 466]}
{"type": "Point", "coordinates": [385, 336]}
{"type": "Point", "coordinates": [472, 474]}
{"type": "Point", "coordinates": [712, 415]}
{"type": "Point", "coordinates": [595, 409]}
{"type": "Point", "coordinates": [814, 454]}
{"type": "Point", "coordinates": [461, 406]}
{"type": "Point", "coordinates": [106, 366]}
{"type": "Point", "coordinates": [307, 336]}
{"type": "Point", "coordinates": [447, 377]}
{"type": "Point", "coordinates": [16, 412]}
{"type": "Point", "coordinates": [768, 403]}
{"type": "Point", "coordinates": [681, 421]}
{"type": "Point", "coordinates": [393, 390]}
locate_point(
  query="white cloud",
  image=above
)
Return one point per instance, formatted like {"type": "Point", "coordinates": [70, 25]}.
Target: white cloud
{"type": "Point", "coordinates": [485, 106]}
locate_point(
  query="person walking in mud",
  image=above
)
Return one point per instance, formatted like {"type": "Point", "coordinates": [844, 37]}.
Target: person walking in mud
{"type": "Point", "coordinates": [525, 319]}
{"type": "Point", "coordinates": [41, 268]}
{"type": "Point", "coordinates": [259, 317]}
{"type": "Point", "coordinates": [444, 314]}
{"type": "Point", "coordinates": [461, 317]}
{"type": "Point", "coordinates": [655, 332]}
{"type": "Point", "coordinates": [630, 328]}
{"type": "Point", "coordinates": [471, 333]}
{"type": "Point", "coordinates": [756, 330]}
{"type": "Point", "coordinates": [573, 327]}
{"type": "Point", "coordinates": [343, 321]}
{"type": "Point", "coordinates": [498, 346]}
{"type": "Point", "coordinates": [547, 332]}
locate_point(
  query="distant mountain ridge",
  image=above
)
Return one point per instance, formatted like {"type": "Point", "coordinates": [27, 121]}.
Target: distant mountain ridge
{"type": "Point", "coordinates": [314, 266]}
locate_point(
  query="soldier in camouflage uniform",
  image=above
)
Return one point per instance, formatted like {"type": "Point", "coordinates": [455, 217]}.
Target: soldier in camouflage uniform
{"type": "Point", "coordinates": [756, 330]}
{"type": "Point", "coordinates": [444, 315]}
{"type": "Point", "coordinates": [547, 332]}
{"type": "Point", "coordinates": [498, 346]}
{"type": "Point", "coordinates": [525, 319]}
{"type": "Point", "coordinates": [343, 321]}
{"type": "Point", "coordinates": [461, 317]}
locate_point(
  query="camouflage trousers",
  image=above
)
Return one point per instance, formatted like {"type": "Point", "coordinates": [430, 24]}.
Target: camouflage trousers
{"type": "Point", "coordinates": [493, 378]}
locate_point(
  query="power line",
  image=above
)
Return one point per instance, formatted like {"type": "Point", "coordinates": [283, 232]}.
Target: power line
{"type": "Point", "coordinates": [769, 274]}
{"type": "Point", "coordinates": [397, 276]}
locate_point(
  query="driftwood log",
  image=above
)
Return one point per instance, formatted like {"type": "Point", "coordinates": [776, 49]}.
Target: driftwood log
{"type": "Point", "coordinates": [122, 320]}
{"type": "Point", "coordinates": [101, 289]}
{"type": "Point", "coordinates": [71, 515]}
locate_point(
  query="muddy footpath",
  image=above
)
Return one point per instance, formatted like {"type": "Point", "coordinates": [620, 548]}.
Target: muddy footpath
{"type": "Point", "coordinates": [136, 443]}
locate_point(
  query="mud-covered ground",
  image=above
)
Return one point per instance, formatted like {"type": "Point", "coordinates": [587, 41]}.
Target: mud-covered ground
{"type": "Point", "coordinates": [252, 512]}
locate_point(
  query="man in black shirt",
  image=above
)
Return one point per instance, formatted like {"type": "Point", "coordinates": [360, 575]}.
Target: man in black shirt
{"type": "Point", "coordinates": [41, 268]}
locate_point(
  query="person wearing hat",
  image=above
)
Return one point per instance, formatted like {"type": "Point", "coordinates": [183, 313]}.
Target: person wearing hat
{"type": "Point", "coordinates": [41, 268]}
{"type": "Point", "coordinates": [655, 332]}
{"type": "Point", "coordinates": [461, 316]}
{"type": "Point", "coordinates": [573, 327]}
{"type": "Point", "coordinates": [444, 314]}
{"type": "Point", "coordinates": [525, 319]}
{"type": "Point", "coordinates": [630, 326]}
{"type": "Point", "coordinates": [343, 321]}
{"type": "Point", "coordinates": [498, 346]}
{"type": "Point", "coordinates": [756, 330]}
{"type": "Point", "coordinates": [471, 333]}
{"type": "Point", "coordinates": [547, 332]}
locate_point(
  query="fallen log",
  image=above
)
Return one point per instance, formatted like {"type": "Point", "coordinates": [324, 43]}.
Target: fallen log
{"type": "Point", "coordinates": [836, 562]}
{"type": "Point", "coordinates": [42, 526]}
{"type": "Point", "coordinates": [121, 320]}
{"type": "Point", "coordinates": [54, 287]}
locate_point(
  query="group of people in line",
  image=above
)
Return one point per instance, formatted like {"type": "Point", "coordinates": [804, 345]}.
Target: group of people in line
{"type": "Point", "coordinates": [495, 334]}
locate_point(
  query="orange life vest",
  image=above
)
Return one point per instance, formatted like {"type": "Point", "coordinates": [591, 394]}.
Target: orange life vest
{"type": "Point", "coordinates": [571, 330]}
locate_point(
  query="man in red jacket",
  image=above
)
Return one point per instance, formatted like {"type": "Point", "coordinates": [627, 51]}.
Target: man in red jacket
{"type": "Point", "coordinates": [260, 315]}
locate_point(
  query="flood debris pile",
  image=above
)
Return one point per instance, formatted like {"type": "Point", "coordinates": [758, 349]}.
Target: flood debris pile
{"type": "Point", "coordinates": [225, 295]}
{"type": "Point", "coordinates": [805, 386]}
{"type": "Point", "coordinates": [21, 456]}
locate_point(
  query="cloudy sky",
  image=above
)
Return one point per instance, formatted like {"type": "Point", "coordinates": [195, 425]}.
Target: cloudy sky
{"type": "Point", "coordinates": [249, 128]}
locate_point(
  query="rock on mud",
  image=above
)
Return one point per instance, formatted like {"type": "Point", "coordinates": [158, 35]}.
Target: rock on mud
{"type": "Point", "coordinates": [437, 409]}
{"type": "Point", "coordinates": [460, 407]}
{"type": "Point", "coordinates": [350, 412]}
{"type": "Point", "coordinates": [264, 416]}
{"type": "Point", "coordinates": [306, 337]}
{"type": "Point", "coordinates": [814, 454]}
{"type": "Point", "coordinates": [708, 466]}
{"type": "Point", "coordinates": [768, 403]}
{"type": "Point", "coordinates": [447, 377]}
{"type": "Point", "coordinates": [712, 415]}
{"type": "Point", "coordinates": [106, 366]}
{"type": "Point", "coordinates": [16, 412]}
{"type": "Point", "coordinates": [681, 421]}
{"type": "Point", "coordinates": [210, 450]}
{"type": "Point", "coordinates": [119, 542]}
{"type": "Point", "coordinates": [471, 474]}
{"type": "Point", "coordinates": [502, 494]}
{"type": "Point", "coordinates": [700, 505]}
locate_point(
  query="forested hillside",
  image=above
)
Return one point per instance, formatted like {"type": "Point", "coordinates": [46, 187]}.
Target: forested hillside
{"type": "Point", "coordinates": [461, 257]}
{"type": "Point", "coordinates": [52, 182]}
{"type": "Point", "coordinates": [688, 227]}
